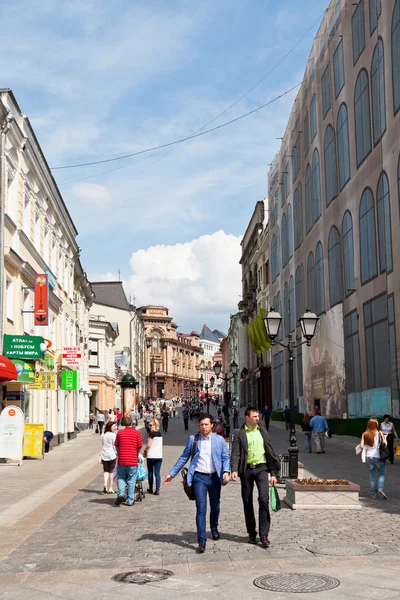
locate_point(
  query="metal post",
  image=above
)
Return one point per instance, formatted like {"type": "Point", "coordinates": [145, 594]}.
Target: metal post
{"type": "Point", "coordinates": [208, 400]}
{"type": "Point", "coordinates": [2, 227]}
{"type": "Point", "coordinates": [293, 449]}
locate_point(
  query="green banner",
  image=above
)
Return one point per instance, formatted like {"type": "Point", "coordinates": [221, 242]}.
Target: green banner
{"type": "Point", "coordinates": [25, 370]}
{"type": "Point", "coordinates": [23, 346]}
{"type": "Point", "coordinates": [69, 380]}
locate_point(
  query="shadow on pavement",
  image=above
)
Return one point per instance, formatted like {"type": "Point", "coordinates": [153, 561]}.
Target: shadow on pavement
{"type": "Point", "coordinates": [180, 540]}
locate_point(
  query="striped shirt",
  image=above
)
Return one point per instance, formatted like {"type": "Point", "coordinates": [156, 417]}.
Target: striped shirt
{"type": "Point", "coordinates": [128, 443]}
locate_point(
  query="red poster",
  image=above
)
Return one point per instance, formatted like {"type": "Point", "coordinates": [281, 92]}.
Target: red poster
{"type": "Point", "coordinates": [41, 300]}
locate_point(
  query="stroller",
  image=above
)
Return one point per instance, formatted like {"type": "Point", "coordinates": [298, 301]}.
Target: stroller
{"type": "Point", "coordinates": [142, 474]}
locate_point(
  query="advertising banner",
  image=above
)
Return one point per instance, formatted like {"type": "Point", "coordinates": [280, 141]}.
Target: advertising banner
{"type": "Point", "coordinates": [70, 380]}
{"type": "Point", "coordinates": [25, 370]}
{"type": "Point", "coordinates": [41, 309]}
{"type": "Point", "coordinates": [33, 440]}
{"type": "Point", "coordinates": [23, 346]}
{"type": "Point", "coordinates": [44, 380]}
{"type": "Point", "coordinates": [71, 356]}
{"type": "Point", "coordinates": [11, 432]}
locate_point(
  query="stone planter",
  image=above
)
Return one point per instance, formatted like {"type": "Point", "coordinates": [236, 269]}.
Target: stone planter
{"type": "Point", "coordinates": [322, 497]}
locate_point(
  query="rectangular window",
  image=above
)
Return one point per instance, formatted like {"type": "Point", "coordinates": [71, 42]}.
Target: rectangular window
{"type": "Point", "coordinates": [377, 342]}
{"type": "Point", "coordinates": [394, 376]}
{"type": "Point", "coordinates": [94, 353]}
{"type": "Point", "coordinates": [326, 92]}
{"type": "Point", "coordinates": [352, 352]}
{"type": "Point", "coordinates": [306, 128]}
{"type": "Point", "coordinates": [296, 159]}
{"type": "Point", "coordinates": [313, 117]}
{"type": "Point", "coordinates": [337, 12]}
{"type": "Point", "coordinates": [338, 69]}
{"type": "Point", "coordinates": [358, 31]}
{"type": "Point", "coordinates": [10, 299]}
{"type": "Point", "coordinates": [375, 10]}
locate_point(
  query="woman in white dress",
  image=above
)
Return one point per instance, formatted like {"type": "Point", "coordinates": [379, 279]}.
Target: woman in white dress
{"type": "Point", "coordinates": [389, 431]}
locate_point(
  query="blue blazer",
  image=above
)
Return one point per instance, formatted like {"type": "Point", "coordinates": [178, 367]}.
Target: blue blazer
{"type": "Point", "coordinates": [220, 456]}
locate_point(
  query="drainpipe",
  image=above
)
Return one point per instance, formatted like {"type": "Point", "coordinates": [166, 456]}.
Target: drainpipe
{"type": "Point", "coordinates": [3, 182]}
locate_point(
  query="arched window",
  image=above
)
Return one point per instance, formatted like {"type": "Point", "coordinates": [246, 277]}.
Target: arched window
{"type": "Point", "coordinates": [396, 56]}
{"type": "Point", "coordinates": [348, 253]}
{"type": "Point", "coordinates": [319, 280]}
{"type": "Point", "coordinates": [297, 218]}
{"type": "Point", "coordinates": [155, 343]}
{"type": "Point", "coordinates": [291, 304]}
{"type": "Point", "coordinates": [378, 92]}
{"type": "Point", "coordinates": [278, 252]}
{"type": "Point", "coordinates": [335, 267]}
{"type": "Point", "coordinates": [384, 224]}
{"type": "Point", "coordinates": [362, 117]}
{"type": "Point", "coordinates": [343, 146]}
{"type": "Point", "coordinates": [299, 291]}
{"type": "Point", "coordinates": [311, 282]}
{"type": "Point", "coordinates": [316, 185]}
{"type": "Point", "coordinates": [271, 213]}
{"type": "Point", "coordinates": [278, 308]}
{"type": "Point", "coordinates": [273, 258]}
{"type": "Point", "coordinates": [289, 232]}
{"type": "Point", "coordinates": [331, 188]}
{"type": "Point", "coordinates": [368, 263]}
{"type": "Point", "coordinates": [284, 241]}
{"type": "Point", "coordinates": [309, 206]}
{"type": "Point", "coordinates": [286, 308]}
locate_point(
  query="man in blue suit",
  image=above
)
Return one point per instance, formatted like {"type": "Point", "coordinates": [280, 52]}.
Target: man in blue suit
{"type": "Point", "coordinates": [208, 470]}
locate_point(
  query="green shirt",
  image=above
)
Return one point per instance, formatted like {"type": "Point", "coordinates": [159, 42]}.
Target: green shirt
{"type": "Point", "coordinates": [256, 450]}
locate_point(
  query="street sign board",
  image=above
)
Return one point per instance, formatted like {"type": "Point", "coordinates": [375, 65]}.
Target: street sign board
{"type": "Point", "coordinates": [23, 346]}
{"type": "Point", "coordinates": [71, 357]}
{"type": "Point", "coordinates": [25, 370]}
{"type": "Point", "coordinates": [11, 432]}
{"type": "Point", "coordinates": [33, 440]}
{"type": "Point", "coordinates": [70, 380]}
{"type": "Point", "coordinates": [41, 310]}
{"type": "Point", "coordinates": [44, 380]}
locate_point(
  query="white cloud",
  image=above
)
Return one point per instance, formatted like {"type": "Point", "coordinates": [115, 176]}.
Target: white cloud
{"type": "Point", "coordinates": [91, 194]}
{"type": "Point", "coordinates": [199, 281]}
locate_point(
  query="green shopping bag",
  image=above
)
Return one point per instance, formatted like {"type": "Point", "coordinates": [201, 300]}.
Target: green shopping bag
{"type": "Point", "coordinates": [274, 499]}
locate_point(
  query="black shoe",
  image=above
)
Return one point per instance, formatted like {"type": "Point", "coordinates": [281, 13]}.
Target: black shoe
{"type": "Point", "coordinates": [253, 538]}
{"type": "Point", "coordinates": [215, 534]}
{"type": "Point", "coordinates": [265, 541]}
{"type": "Point", "coordinates": [149, 491]}
{"type": "Point", "coordinates": [319, 452]}
{"type": "Point", "coordinates": [104, 490]}
{"type": "Point", "coordinates": [119, 500]}
{"type": "Point", "coordinates": [200, 549]}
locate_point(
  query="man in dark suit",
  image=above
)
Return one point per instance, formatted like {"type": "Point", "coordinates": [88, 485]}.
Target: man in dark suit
{"type": "Point", "coordinates": [252, 459]}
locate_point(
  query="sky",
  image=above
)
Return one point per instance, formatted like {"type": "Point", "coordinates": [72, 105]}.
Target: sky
{"type": "Point", "coordinates": [101, 79]}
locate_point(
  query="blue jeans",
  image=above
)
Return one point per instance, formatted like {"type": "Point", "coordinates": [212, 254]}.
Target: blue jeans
{"type": "Point", "coordinates": [154, 464]}
{"type": "Point", "coordinates": [127, 477]}
{"type": "Point", "coordinates": [377, 470]}
{"type": "Point", "coordinates": [307, 442]}
{"type": "Point", "coordinates": [202, 484]}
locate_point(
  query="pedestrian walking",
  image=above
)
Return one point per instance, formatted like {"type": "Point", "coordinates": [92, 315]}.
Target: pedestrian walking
{"type": "Point", "coordinates": [128, 443]}
{"type": "Point", "coordinates": [286, 416]}
{"type": "Point", "coordinates": [174, 410]}
{"type": "Point", "coordinates": [236, 418]}
{"type": "Point", "coordinates": [100, 422]}
{"type": "Point", "coordinates": [252, 459]}
{"type": "Point", "coordinates": [110, 416]}
{"type": "Point", "coordinates": [154, 454]}
{"type": "Point", "coordinates": [108, 456]}
{"type": "Point", "coordinates": [119, 417]}
{"type": "Point", "coordinates": [165, 419]}
{"type": "Point", "coordinates": [307, 430]}
{"type": "Point", "coordinates": [388, 430]}
{"type": "Point", "coordinates": [370, 441]}
{"type": "Point", "coordinates": [266, 417]}
{"type": "Point", "coordinates": [185, 415]}
{"type": "Point", "coordinates": [319, 426]}
{"type": "Point", "coordinates": [208, 471]}
{"type": "Point", "coordinates": [91, 419]}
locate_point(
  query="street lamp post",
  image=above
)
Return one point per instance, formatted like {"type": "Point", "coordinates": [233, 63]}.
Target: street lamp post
{"type": "Point", "coordinates": [308, 323]}
{"type": "Point", "coordinates": [217, 370]}
{"type": "Point", "coordinates": [206, 386]}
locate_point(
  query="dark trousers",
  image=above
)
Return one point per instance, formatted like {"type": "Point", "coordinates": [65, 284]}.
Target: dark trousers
{"type": "Point", "coordinates": [100, 425]}
{"type": "Point", "coordinates": [153, 468]}
{"type": "Point", "coordinates": [203, 484]}
{"type": "Point", "coordinates": [390, 442]}
{"type": "Point", "coordinates": [46, 447]}
{"type": "Point", "coordinates": [165, 425]}
{"type": "Point", "coordinates": [186, 423]}
{"type": "Point", "coordinates": [259, 476]}
{"type": "Point", "coordinates": [267, 423]}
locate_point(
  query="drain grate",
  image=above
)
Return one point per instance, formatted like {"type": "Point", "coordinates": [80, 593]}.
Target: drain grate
{"type": "Point", "coordinates": [142, 576]}
{"type": "Point", "coordinates": [342, 548]}
{"type": "Point", "coordinates": [297, 583]}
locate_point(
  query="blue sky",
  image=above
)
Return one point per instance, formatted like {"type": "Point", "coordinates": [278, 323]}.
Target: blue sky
{"type": "Point", "coordinates": [99, 79]}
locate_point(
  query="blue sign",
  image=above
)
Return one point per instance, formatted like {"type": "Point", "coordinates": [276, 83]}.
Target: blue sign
{"type": "Point", "coordinates": [51, 279]}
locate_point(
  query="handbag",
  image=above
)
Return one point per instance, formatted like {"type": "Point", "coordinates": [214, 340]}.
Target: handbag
{"type": "Point", "coordinates": [97, 429]}
{"type": "Point", "coordinates": [384, 452]}
{"type": "Point", "coordinates": [186, 487]}
{"type": "Point", "coordinates": [141, 472]}
{"type": "Point", "coordinates": [274, 499]}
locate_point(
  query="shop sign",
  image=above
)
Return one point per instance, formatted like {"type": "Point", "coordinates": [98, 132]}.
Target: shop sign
{"type": "Point", "coordinates": [44, 380]}
{"type": "Point", "coordinates": [11, 432]}
{"type": "Point", "coordinates": [41, 308]}
{"type": "Point", "coordinates": [49, 361]}
{"type": "Point", "coordinates": [25, 370]}
{"type": "Point", "coordinates": [71, 356]}
{"type": "Point", "coordinates": [33, 440]}
{"type": "Point", "coordinates": [23, 346]}
{"type": "Point", "coordinates": [51, 279]}
{"type": "Point", "coordinates": [14, 396]}
{"type": "Point", "coordinates": [70, 380]}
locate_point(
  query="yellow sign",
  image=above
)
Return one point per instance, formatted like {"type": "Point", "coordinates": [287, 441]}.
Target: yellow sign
{"type": "Point", "coordinates": [44, 380]}
{"type": "Point", "coordinates": [33, 440]}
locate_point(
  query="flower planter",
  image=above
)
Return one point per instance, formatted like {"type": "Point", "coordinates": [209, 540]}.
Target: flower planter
{"type": "Point", "coordinates": [321, 496]}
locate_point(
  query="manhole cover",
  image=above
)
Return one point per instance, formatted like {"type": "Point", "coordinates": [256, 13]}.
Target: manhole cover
{"type": "Point", "coordinates": [142, 576]}
{"type": "Point", "coordinates": [342, 548]}
{"type": "Point", "coordinates": [296, 583]}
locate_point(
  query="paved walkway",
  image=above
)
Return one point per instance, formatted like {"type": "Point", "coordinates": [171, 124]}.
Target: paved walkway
{"type": "Point", "coordinates": [62, 537]}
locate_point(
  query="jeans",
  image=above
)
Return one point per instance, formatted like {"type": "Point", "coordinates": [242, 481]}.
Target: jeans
{"type": "Point", "coordinates": [259, 476]}
{"type": "Point", "coordinates": [127, 477]}
{"type": "Point", "coordinates": [154, 465]}
{"type": "Point", "coordinates": [203, 484]}
{"type": "Point", "coordinates": [100, 426]}
{"type": "Point", "coordinates": [235, 422]}
{"type": "Point", "coordinates": [377, 469]}
{"type": "Point", "coordinates": [307, 442]}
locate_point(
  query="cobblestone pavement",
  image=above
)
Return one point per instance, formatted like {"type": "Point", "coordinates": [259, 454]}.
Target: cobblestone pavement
{"type": "Point", "coordinates": [76, 534]}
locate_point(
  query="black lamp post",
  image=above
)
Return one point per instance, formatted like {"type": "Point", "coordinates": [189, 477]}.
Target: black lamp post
{"type": "Point", "coordinates": [308, 323]}
{"type": "Point", "coordinates": [206, 386]}
{"type": "Point", "coordinates": [217, 370]}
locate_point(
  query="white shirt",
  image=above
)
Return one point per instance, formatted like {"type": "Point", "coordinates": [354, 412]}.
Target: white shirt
{"type": "Point", "coordinates": [205, 463]}
{"type": "Point", "coordinates": [373, 451]}
{"type": "Point", "coordinates": [108, 450]}
{"type": "Point", "coordinates": [387, 428]}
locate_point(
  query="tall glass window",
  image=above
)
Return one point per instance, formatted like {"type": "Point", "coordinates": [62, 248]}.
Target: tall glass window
{"type": "Point", "coordinates": [375, 10]}
{"type": "Point", "coordinates": [278, 252]}
{"type": "Point", "coordinates": [309, 205]}
{"type": "Point", "coordinates": [358, 31]}
{"type": "Point", "coordinates": [335, 267]}
{"type": "Point", "coordinates": [384, 224]}
{"type": "Point", "coordinates": [348, 253]}
{"type": "Point", "coordinates": [326, 91]}
{"type": "Point", "coordinates": [316, 185]}
{"type": "Point", "coordinates": [331, 187]}
{"type": "Point", "coordinates": [292, 308]}
{"type": "Point", "coordinates": [319, 280]}
{"type": "Point", "coordinates": [311, 283]}
{"type": "Point", "coordinates": [377, 342]}
{"type": "Point", "coordinates": [289, 232]}
{"type": "Point", "coordinates": [286, 308]}
{"type": "Point", "coordinates": [338, 69]}
{"type": "Point", "coordinates": [362, 117]}
{"type": "Point", "coordinates": [343, 146]}
{"type": "Point", "coordinates": [299, 291]}
{"type": "Point", "coordinates": [284, 241]}
{"type": "Point", "coordinates": [394, 375]}
{"type": "Point", "coordinates": [352, 352]}
{"type": "Point", "coordinates": [396, 56]}
{"type": "Point", "coordinates": [378, 92]}
{"type": "Point", "coordinates": [313, 117]}
{"type": "Point", "coordinates": [273, 258]}
{"type": "Point", "coordinates": [368, 262]}
{"type": "Point", "coordinates": [296, 159]}
{"type": "Point", "coordinates": [278, 308]}
{"type": "Point", "coordinates": [297, 217]}
{"type": "Point", "coordinates": [306, 134]}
